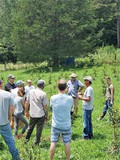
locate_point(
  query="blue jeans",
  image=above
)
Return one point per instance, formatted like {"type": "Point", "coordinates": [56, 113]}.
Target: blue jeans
{"type": "Point", "coordinates": [5, 132]}
{"type": "Point", "coordinates": [107, 106]}
{"type": "Point", "coordinates": [18, 117]}
{"type": "Point", "coordinates": [87, 124]}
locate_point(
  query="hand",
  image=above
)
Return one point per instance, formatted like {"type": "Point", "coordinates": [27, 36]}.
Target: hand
{"type": "Point", "coordinates": [27, 115]}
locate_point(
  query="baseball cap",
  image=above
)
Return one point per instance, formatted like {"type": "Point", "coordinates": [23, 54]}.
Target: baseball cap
{"type": "Point", "coordinates": [89, 78]}
{"type": "Point", "coordinates": [73, 75]}
{"type": "Point", "coordinates": [1, 82]}
{"type": "Point", "coordinates": [11, 76]}
{"type": "Point", "coordinates": [41, 82]}
{"type": "Point", "coordinates": [20, 82]}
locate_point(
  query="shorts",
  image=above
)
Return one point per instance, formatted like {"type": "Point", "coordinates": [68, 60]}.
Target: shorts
{"type": "Point", "coordinates": [66, 135]}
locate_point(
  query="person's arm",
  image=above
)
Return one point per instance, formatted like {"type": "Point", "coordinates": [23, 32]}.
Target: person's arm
{"type": "Point", "coordinates": [10, 115]}
{"type": "Point", "coordinates": [112, 94]}
{"type": "Point", "coordinates": [45, 107]}
{"type": "Point", "coordinates": [27, 105]}
{"type": "Point", "coordinates": [81, 86]}
{"type": "Point", "coordinates": [87, 99]}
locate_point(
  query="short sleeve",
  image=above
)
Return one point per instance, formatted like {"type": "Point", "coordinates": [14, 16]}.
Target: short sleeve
{"type": "Point", "coordinates": [45, 100]}
{"type": "Point", "coordinates": [89, 92]}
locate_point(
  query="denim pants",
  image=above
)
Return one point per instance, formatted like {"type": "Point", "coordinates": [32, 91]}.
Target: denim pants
{"type": "Point", "coordinates": [5, 132]}
{"type": "Point", "coordinates": [39, 122]}
{"type": "Point", "coordinates": [18, 117]}
{"type": "Point", "coordinates": [107, 106]}
{"type": "Point", "coordinates": [87, 124]}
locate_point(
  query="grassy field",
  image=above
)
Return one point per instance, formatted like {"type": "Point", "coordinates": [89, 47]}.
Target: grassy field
{"type": "Point", "coordinates": [100, 148]}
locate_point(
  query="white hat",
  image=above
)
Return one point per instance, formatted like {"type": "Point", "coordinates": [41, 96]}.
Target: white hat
{"type": "Point", "coordinates": [89, 78]}
{"type": "Point", "coordinates": [73, 75]}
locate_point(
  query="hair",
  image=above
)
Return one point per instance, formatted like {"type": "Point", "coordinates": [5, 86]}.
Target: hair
{"type": "Point", "coordinates": [62, 84]}
{"type": "Point", "coordinates": [21, 92]}
{"type": "Point", "coordinates": [108, 77]}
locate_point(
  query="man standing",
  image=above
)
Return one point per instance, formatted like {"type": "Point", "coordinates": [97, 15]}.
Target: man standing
{"type": "Point", "coordinates": [109, 98]}
{"type": "Point", "coordinates": [6, 110]}
{"type": "Point", "coordinates": [37, 101]}
{"type": "Point", "coordinates": [61, 119]}
{"type": "Point", "coordinates": [28, 87]}
{"type": "Point", "coordinates": [10, 85]}
{"type": "Point", "coordinates": [87, 106]}
{"type": "Point", "coordinates": [74, 86]}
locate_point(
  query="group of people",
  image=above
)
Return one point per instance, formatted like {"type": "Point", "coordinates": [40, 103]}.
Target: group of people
{"type": "Point", "coordinates": [32, 102]}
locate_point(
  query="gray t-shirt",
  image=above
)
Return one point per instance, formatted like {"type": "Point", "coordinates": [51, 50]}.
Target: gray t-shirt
{"type": "Point", "coordinates": [5, 101]}
{"type": "Point", "coordinates": [37, 99]}
{"type": "Point", "coordinates": [18, 105]}
{"type": "Point", "coordinates": [88, 93]}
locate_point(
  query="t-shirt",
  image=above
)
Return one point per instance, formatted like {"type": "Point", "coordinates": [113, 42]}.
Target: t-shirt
{"type": "Point", "coordinates": [37, 99]}
{"type": "Point", "coordinates": [5, 101]}
{"type": "Point", "coordinates": [88, 93]}
{"type": "Point", "coordinates": [73, 87]}
{"type": "Point", "coordinates": [9, 86]}
{"type": "Point", "coordinates": [18, 105]}
{"type": "Point", "coordinates": [27, 89]}
{"type": "Point", "coordinates": [61, 105]}
{"type": "Point", "coordinates": [14, 92]}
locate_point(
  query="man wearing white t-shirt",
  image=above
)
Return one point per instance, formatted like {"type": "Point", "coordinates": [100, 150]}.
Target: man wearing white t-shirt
{"type": "Point", "coordinates": [28, 87]}
{"type": "Point", "coordinates": [87, 106]}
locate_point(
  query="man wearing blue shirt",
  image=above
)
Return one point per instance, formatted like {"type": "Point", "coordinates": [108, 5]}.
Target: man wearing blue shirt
{"type": "Point", "coordinates": [74, 86]}
{"type": "Point", "coordinates": [61, 119]}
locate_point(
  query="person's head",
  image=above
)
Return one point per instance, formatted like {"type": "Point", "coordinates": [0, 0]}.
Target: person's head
{"type": "Point", "coordinates": [11, 78]}
{"type": "Point", "coordinates": [88, 80]}
{"type": "Point", "coordinates": [62, 85]}
{"type": "Point", "coordinates": [41, 84]}
{"type": "Point", "coordinates": [108, 80]}
{"type": "Point", "coordinates": [29, 82]}
{"type": "Point", "coordinates": [73, 76]}
{"type": "Point", "coordinates": [20, 84]}
{"type": "Point", "coordinates": [21, 92]}
{"type": "Point", "coordinates": [1, 84]}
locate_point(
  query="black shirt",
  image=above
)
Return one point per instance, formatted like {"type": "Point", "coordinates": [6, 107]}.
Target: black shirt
{"type": "Point", "coordinates": [9, 86]}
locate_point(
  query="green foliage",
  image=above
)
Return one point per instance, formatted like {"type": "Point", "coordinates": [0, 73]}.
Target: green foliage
{"type": "Point", "coordinates": [103, 146]}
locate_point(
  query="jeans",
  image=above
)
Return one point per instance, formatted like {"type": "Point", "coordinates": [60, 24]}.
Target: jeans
{"type": "Point", "coordinates": [35, 121]}
{"type": "Point", "coordinates": [18, 117]}
{"type": "Point", "coordinates": [87, 124]}
{"type": "Point", "coordinates": [5, 132]}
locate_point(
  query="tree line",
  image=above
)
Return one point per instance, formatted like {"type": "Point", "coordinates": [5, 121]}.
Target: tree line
{"type": "Point", "coordinates": [38, 30]}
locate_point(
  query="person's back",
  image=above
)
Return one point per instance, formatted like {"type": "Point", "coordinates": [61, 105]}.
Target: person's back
{"type": "Point", "coordinates": [61, 107]}
{"type": "Point", "coordinates": [5, 99]}
{"type": "Point", "coordinates": [37, 98]}
{"type": "Point", "coordinates": [18, 104]}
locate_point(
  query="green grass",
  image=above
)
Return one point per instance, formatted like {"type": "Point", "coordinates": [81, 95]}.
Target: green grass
{"type": "Point", "coordinates": [96, 149]}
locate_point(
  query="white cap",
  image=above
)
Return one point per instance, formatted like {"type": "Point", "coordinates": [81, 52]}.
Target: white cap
{"type": "Point", "coordinates": [89, 78]}
{"type": "Point", "coordinates": [73, 75]}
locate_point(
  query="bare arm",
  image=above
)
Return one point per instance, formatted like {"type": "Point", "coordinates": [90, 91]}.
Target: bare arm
{"type": "Point", "coordinates": [11, 112]}
{"type": "Point", "coordinates": [112, 94]}
{"type": "Point", "coordinates": [87, 99]}
{"type": "Point", "coordinates": [27, 105]}
{"type": "Point", "coordinates": [45, 107]}
{"type": "Point", "coordinates": [81, 88]}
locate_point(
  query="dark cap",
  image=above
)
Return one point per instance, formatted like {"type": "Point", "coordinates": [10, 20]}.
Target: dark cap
{"type": "Point", "coordinates": [11, 76]}
{"type": "Point", "coordinates": [41, 83]}
{"type": "Point", "coordinates": [1, 82]}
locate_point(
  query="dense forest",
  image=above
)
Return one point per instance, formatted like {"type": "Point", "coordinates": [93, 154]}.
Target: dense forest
{"type": "Point", "coordinates": [37, 30]}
